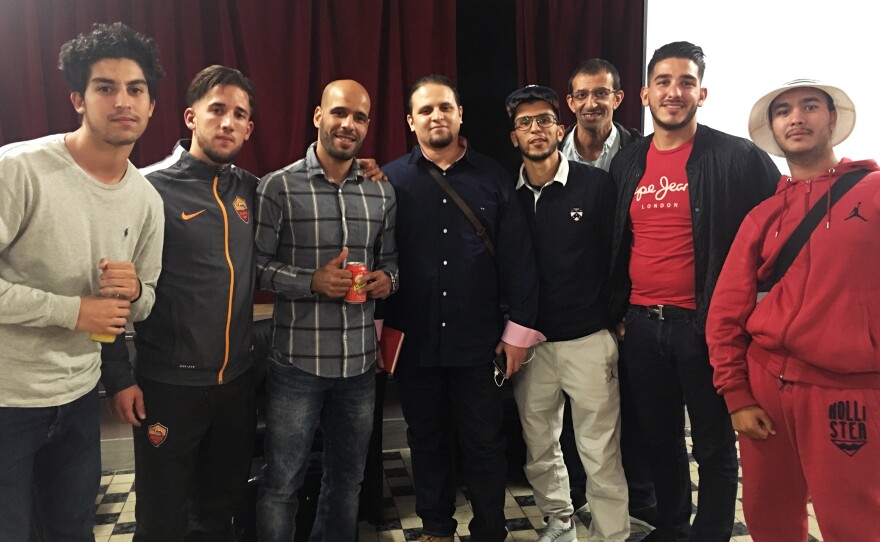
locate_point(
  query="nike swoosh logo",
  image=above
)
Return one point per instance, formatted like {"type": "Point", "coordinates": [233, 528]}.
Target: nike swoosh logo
{"type": "Point", "coordinates": [187, 217]}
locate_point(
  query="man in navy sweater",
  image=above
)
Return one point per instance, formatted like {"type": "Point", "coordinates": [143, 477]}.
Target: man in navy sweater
{"type": "Point", "coordinates": [569, 209]}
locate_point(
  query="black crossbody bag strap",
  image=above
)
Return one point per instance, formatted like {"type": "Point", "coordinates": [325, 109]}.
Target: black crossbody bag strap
{"type": "Point", "coordinates": [475, 222]}
{"type": "Point", "coordinates": [798, 239]}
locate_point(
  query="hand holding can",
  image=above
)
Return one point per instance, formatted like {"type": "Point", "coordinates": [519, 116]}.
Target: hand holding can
{"type": "Point", "coordinates": [331, 280]}
{"type": "Point", "coordinates": [102, 317]}
{"type": "Point", "coordinates": [106, 338]}
{"type": "Point", "coordinates": [106, 311]}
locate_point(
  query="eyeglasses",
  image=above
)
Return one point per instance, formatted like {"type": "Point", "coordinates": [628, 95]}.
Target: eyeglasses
{"type": "Point", "coordinates": [600, 94]}
{"type": "Point", "coordinates": [525, 123]}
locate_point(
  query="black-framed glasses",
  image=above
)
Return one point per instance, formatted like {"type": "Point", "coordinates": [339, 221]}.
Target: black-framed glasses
{"type": "Point", "coordinates": [544, 121]}
{"type": "Point", "coordinates": [600, 94]}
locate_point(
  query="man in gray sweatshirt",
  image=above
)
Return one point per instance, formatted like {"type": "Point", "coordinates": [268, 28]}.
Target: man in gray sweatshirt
{"type": "Point", "coordinates": [80, 253]}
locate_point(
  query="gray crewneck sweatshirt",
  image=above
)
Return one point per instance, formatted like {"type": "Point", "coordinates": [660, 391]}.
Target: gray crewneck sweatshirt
{"type": "Point", "coordinates": [56, 223]}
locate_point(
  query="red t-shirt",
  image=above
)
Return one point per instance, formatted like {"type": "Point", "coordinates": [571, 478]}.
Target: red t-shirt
{"type": "Point", "coordinates": [662, 263]}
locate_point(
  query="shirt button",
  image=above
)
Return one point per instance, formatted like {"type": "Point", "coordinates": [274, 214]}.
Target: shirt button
{"type": "Point", "coordinates": [345, 336]}
{"type": "Point", "coordinates": [343, 307]}
{"type": "Point", "coordinates": [444, 230]}
{"type": "Point", "coordinates": [444, 200]}
{"type": "Point", "coordinates": [444, 294]}
{"type": "Point", "coordinates": [444, 262]}
{"type": "Point", "coordinates": [443, 324]}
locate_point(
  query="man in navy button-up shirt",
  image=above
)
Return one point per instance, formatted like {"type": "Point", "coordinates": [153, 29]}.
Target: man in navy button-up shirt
{"type": "Point", "coordinates": [448, 306]}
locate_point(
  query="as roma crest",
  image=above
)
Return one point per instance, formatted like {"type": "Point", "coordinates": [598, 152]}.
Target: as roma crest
{"type": "Point", "coordinates": [157, 433]}
{"type": "Point", "coordinates": [240, 207]}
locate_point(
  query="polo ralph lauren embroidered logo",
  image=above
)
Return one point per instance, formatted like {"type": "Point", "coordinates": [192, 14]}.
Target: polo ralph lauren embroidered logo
{"type": "Point", "coordinates": [576, 213]}
{"type": "Point", "coordinates": [847, 422]}
{"type": "Point", "coordinates": [855, 213]}
{"type": "Point", "coordinates": [157, 433]}
{"type": "Point", "coordinates": [240, 206]}
{"type": "Point", "coordinates": [185, 216]}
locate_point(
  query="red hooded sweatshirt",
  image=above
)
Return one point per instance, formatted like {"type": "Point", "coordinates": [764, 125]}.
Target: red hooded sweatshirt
{"type": "Point", "coordinates": [820, 324]}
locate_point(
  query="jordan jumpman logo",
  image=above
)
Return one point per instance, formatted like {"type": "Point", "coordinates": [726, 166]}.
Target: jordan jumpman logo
{"type": "Point", "coordinates": [855, 213]}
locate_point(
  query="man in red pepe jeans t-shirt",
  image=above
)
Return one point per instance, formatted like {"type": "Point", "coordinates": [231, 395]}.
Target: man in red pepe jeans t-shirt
{"type": "Point", "coordinates": [682, 193]}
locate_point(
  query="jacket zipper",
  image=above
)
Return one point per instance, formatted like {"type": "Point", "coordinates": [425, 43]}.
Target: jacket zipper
{"type": "Point", "coordinates": [802, 289]}
{"type": "Point", "coordinates": [231, 276]}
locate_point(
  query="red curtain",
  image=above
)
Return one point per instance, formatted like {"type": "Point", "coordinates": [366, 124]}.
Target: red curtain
{"type": "Point", "coordinates": [289, 48]}
{"type": "Point", "coordinates": [554, 36]}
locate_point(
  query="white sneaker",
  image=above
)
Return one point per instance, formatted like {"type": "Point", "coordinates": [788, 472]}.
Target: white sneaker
{"type": "Point", "coordinates": [557, 531]}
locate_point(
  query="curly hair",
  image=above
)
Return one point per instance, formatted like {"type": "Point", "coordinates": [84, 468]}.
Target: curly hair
{"type": "Point", "coordinates": [109, 41]}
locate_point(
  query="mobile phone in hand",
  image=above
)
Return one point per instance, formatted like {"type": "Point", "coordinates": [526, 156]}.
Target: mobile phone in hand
{"type": "Point", "coordinates": [500, 363]}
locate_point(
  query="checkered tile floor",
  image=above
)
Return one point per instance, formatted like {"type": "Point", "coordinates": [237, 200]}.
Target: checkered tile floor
{"type": "Point", "coordinates": [114, 521]}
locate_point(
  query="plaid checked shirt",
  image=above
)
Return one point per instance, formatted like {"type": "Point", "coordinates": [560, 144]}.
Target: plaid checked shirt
{"type": "Point", "coordinates": [303, 221]}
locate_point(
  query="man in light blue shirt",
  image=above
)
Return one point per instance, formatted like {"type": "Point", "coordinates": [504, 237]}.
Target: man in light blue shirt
{"type": "Point", "coordinates": [593, 95]}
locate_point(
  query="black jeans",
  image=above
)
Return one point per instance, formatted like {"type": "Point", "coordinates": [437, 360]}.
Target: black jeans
{"type": "Point", "coordinates": [438, 403]}
{"type": "Point", "coordinates": [667, 366]}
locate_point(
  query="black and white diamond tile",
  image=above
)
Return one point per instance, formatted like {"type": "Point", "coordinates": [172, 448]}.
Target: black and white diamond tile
{"type": "Point", "coordinates": [114, 520]}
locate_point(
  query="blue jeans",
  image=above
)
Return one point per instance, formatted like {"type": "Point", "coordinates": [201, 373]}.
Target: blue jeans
{"type": "Point", "coordinates": [54, 452]}
{"type": "Point", "coordinates": [667, 366]}
{"type": "Point", "coordinates": [296, 402]}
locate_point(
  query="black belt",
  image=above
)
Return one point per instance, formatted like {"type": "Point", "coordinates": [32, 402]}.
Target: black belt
{"type": "Point", "coordinates": [665, 312]}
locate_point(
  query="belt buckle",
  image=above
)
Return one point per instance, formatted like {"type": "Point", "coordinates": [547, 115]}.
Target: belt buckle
{"type": "Point", "coordinates": [656, 310]}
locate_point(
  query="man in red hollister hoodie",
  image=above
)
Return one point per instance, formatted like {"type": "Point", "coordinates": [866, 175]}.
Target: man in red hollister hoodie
{"type": "Point", "coordinates": [800, 370]}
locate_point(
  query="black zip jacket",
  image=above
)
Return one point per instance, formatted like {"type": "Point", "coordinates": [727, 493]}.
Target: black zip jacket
{"type": "Point", "coordinates": [199, 332]}
{"type": "Point", "coordinates": [727, 177]}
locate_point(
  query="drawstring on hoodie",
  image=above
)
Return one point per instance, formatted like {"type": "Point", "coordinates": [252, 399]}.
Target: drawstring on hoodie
{"type": "Point", "coordinates": [789, 183]}
{"type": "Point", "coordinates": [828, 204]}
{"type": "Point", "coordinates": [828, 209]}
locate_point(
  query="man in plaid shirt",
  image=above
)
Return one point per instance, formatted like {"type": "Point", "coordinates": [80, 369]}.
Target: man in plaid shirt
{"type": "Point", "coordinates": [312, 217]}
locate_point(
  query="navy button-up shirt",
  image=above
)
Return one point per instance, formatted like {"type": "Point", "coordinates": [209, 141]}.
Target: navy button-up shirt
{"type": "Point", "coordinates": [450, 285]}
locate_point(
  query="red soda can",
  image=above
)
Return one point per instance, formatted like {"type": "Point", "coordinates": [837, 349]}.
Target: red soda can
{"type": "Point", "coordinates": [355, 295]}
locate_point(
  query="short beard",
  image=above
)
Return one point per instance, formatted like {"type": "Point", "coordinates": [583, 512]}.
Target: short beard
{"type": "Point", "coordinates": [217, 157]}
{"type": "Point", "coordinates": [221, 159]}
{"type": "Point", "coordinates": [342, 156]}
{"type": "Point", "coordinates": [440, 142]}
{"type": "Point", "coordinates": [539, 157]}
{"type": "Point", "coordinates": [672, 127]}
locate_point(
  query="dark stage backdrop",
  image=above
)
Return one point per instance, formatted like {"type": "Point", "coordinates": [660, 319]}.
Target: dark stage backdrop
{"type": "Point", "coordinates": [555, 36]}
{"type": "Point", "coordinates": [292, 48]}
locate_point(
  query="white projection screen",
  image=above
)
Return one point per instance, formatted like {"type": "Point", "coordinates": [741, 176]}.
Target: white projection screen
{"type": "Point", "coordinates": [752, 46]}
